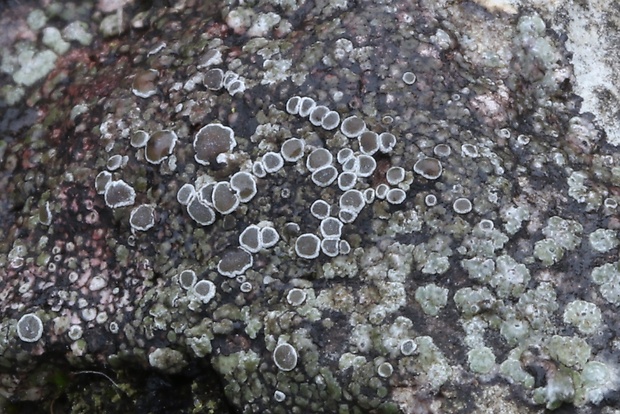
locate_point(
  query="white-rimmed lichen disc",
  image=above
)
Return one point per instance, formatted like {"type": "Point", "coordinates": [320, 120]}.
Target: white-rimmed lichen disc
{"type": "Point", "coordinates": [186, 193]}
{"type": "Point", "coordinates": [285, 357]}
{"type": "Point", "coordinates": [272, 162]}
{"type": "Point", "coordinates": [142, 217]}
{"type": "Point", "coordinates": [244, 184]}
{"type": "Point", "coordinates": [225, 200]}
{"type": "Point", "coordinates": [235, 262]}
{"type": "Point", "coordinates": [308, 246]}
{"type": "Point", "coordinates": [200, 212]}
{"type": "Point", "coordinates": [408, 347]}
{"type": "Point", "coordinates": [331, 120]}
{"type": "Point", "coordinates": [249, 239]}
{"type": "Point", "coordinates": [366, 165]}
{"type": "Point", "coordinates": [114, 162]}
{"type": "Point", "coordinates": [159, 146]}
{"type": "Point", "coordinates": [229, 78]}
{"type": "Point", "coordinates": [317, 115]}
{"type": "Point", "coordinates": [462, 205]}
{"type": "Point", "coordinates": [385, 370]}
{"type": "Point", "coordinates": [486, 225]}
{"type": "Point", "coordinates": [331, 228]}
{"type": "Point", "coordinates": [330, 247]}
{"type": "Point", "coordinates": [382, 190]}
{"type": "Point", "coordinates": [119, 194]}
{"type": "Point", "coordinates": [269, 237]}
{"type": "Point", "coordinates": [347, 215]}
{"type": "Point", "coordinates": [204, 290]}
{"type": "Point", "coordinates": [409, 78]}
{"type": "Point", "coordinates": [144, 83]}
{"type": "Point", "coordinates": [344, 247]}
{"type": "Point", "coordinates": [369, 142]}
{"type": "Point", "coordinates": [442, 150]}
{"type": "Point", "coordinates": [430, 200]}
{"type": "Point", "coordinates": [395, 196]}
{"type": "Point", "coordinates": [258, 170]}
{"type": "Point", "coordinates": [325, 176]}
{"type": "Point", "coordinates": [387, 142]}
{"type": "Point", "coordinates": [296, 297]}
{"type": "Point", "coordinates": [351, 165]}
{"type": "Point", "coordinates": [292, 149]}
{"type": "Point", "coordinates": [352, 200]}
{"type": "Point", "coordinates": [205, 193]}
{"type": "Point", "coordinates": [211, 141]}
{"type": "Point", "coordinates": [347, 180]}
{"type": "Point", "coordinates": [246, 287]}
{"type": "Point", "coordinates": [429, 168]}
{"type": "Point", "coordinates": [235, 87]}
{"type": "Point", "coordinates": [139, 139]}
{"type": "Point", "coordinates": [213, 79]}
{"type": "Point", "coordinates": [306, 106]}
{"type": "Point", "coordinates": [319, 158]}
{"type": "Point", "coordinates": [29, 328]}
{"type": "Point", "coordinates": [353, 126]}
{"type": "Point", "coordinates": [187, 279]}
{"type": "Point", "coordinates": [320, 209]}
{"type": "Point", "coordinates": [395, 175]}
{"type": "Point", "coordinates": [75, 332]}
{"type": "Point", "coordinates": [102, 180]}
{"type": "Point", "coordinates": [279, 396]}
{"type": "Point", "coordinates": [293, 104]}
{"type": "Point", "coordinates": [344, 155]}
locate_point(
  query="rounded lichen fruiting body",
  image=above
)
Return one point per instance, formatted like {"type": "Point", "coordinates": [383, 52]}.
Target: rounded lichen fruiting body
{"type": "Point", "coordinates": [296, 297]}
{"type": "Point", "coordinates": [352, 126]}
{"type": "Point", "coordinates": [29, 328]}
{"type": "Point", "coordinates": [285, 357]}
{"type": "Point", "coordinates": [235, 262]}
{"type": "Point", "coordinates": [187, 279]}
{"type": "Point", "coordinates": [142, 217]}
{"type": "Point", "coordinates": [159, 146]}
{"type": "Point", "coordinates": [429, 168]}
{"type": "Point", "coordinates": [204, 290]}
{"type": "Point", "coordinates": [211, 141]}
{"type": "Point", "coordinates": [308, 246]}
{"type": "Point", "coordinates": [292, 149]}
{"type": "Point", "coordinates": [119, 194]}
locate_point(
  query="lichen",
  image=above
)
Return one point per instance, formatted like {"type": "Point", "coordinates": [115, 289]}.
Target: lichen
{"type": "Point", "coordinates": [271, 191]}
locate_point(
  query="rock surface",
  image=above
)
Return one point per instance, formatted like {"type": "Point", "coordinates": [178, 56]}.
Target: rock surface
{"type": "Point", "coordinates": [291, 206]}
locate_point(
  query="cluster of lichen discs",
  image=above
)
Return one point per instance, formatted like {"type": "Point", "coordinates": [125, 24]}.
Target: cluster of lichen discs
{"type": "Point", "coordinates": [349, 171]}
{"type": "Point", "coordinates": [156, 148]}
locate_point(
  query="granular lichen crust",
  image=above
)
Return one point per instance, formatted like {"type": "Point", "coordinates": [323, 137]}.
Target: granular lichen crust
{"type": "Point", "coordinates": [337, 206]}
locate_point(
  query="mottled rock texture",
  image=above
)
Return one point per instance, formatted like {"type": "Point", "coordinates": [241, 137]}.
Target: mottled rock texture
{"type": "Point", "coordinates": [485, 278]}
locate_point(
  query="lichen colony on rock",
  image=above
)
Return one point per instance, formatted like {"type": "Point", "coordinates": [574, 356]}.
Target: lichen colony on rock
{"type": "Point", "coordinates": [337, 206]}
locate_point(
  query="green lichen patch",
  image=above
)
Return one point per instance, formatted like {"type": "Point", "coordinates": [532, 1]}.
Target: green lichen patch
{"type": "Point", "coordinates": [607, 277]}
{"type": "Point", "coordinates": [431, 298]}
{"type": "Point", "coordinates": [570, 351]}
{"type": "Point", "coordinates": [584, 315]}
{"type": "Point", "coordinates": [481, 360]}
